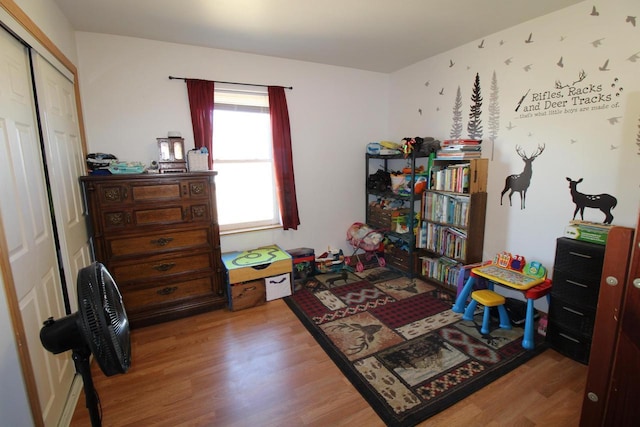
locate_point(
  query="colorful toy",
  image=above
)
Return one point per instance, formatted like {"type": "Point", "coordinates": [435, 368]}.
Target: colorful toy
{"type": "Point", "coordinates": [361, 236]}
{"type": "Point", "coordinates": [503, 259]}
{"type": "Point", "coordinates": [517, 263]}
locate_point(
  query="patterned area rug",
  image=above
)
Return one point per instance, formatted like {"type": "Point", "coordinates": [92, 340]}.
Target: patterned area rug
{"type": "Point", "coordinates": [399, 343]}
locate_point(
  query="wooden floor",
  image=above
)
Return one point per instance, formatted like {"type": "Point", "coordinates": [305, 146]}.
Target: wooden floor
{"type": "Point", "coordinates": [260, 367]}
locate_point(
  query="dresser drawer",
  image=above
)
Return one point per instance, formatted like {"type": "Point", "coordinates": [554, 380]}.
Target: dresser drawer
{"type": "Point", "coordinates": [136, 298]}
{"type": "Point", "coordinates": [163, 215]}
{"type": "Point", "coordinates": [580, 259]}
{"type": "Point", "coordinates": [572, 317]}
{"type": "Point", "coordinates": [566, 342]}
{"type": "Point", "coordinates": [157, 267]}
{"type": "Point", "coordinates": [159, 242]}
{"type": "Point", "coordinates": [577, 290]}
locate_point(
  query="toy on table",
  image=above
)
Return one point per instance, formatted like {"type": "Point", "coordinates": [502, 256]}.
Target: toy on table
{"type": "Point", "coordinates": [535, 269]}
{"type": "Point", "coordinates": [503, 259]}
{"type": "Point", "coordinates": [517, 263]}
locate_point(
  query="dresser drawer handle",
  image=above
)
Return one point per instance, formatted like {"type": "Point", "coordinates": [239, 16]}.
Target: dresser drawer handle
{"type": "Point", "coordinates": [163, 241]}
{"type": "Point", "coordinates": [577, 284]}
{"type": "Point", "coordinates": [569, 338]}
{"type": "Point", "coordinates": [167, 291]}
{"type": "Point", "coordinates": [164, 267]}
{"type": "Point", "coordinates": [581, 255]}
{"type": "Point", "coordinates": [570, 310]}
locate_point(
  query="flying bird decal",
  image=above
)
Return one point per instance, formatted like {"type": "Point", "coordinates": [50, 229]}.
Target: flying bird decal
{"type": "Point", "coordinates": [594, 12]}
{"type": "Point", "coordinates": [634, 57]}
{"type": "Point", "coordinates": [597, 43]}
{"type": "Point", "coordinates": [604, 66]}
{"type": "Point", "coordinates": [560, 63]}
{"type": "Point", "coordinates": [508, 61]}
{"type": "Point", "coordinates": [527, 67]}
{"type": "Point", "coordinates": [451, 63]}
{"type": "Point", "coordinates": [631, 19]}
{"type": "Point", "coordinates": [530, 39]}
{"type": "Point", "coordinates": [481, 45]}
{"type": "Point", "coordinates": [614, 120]}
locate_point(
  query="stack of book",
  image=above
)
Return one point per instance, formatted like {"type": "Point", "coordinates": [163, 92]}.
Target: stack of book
{"type": "Point", "coordinates": [460, 149]}
{"type": "Point", "coordinates": [588, 231]}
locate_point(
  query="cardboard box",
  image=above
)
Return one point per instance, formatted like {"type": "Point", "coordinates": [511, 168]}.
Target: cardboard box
{"type": "Point", "coordinates": [246, 295]}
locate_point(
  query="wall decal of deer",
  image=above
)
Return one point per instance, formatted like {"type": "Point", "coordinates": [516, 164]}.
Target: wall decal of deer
{"type": "Point", "coordinates": [518, 183]}
{"type": "Point", "coordinates": [604, 202]}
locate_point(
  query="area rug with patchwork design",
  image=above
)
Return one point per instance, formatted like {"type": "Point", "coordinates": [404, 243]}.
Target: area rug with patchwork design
{"type": "Point", "coordinates": [398, 342]}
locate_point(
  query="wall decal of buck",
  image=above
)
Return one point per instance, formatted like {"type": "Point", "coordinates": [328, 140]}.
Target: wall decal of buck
{"type": "Point", "coordinates": [604, 202]}
{"type": "Point", "coordinates": [519, 183]}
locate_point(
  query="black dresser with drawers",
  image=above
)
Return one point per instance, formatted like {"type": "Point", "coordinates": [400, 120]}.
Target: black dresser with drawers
{"type": "Point", "coordinates": [574, 297]}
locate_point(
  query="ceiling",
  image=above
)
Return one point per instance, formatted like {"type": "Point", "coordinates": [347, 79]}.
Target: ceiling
{"type": "Point", "coordinates": [375, 35]}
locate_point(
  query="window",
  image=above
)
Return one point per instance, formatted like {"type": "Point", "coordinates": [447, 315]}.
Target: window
{"type": "Point", "coordinates": [243, 157]}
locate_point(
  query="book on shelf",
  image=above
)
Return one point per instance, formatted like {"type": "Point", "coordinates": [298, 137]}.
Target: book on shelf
{"type": "Point", "coordinates": [443, 240]}
{"type": "Point", "coordinates": [448, 142]}
{"type": "Point", "coordinates": [461, 147]}
{"type": "Point", "coordinates": [458, 155]}
{"type": "Point", "coordinates": [454, 178]}
{"type": "Point", "coordinates": [446, 208]}
{"type": "Point", "coordinates": [442, 269]}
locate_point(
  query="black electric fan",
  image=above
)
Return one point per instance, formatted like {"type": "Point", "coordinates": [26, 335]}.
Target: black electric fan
{"type": "Point", "coordinates": [100, 326]}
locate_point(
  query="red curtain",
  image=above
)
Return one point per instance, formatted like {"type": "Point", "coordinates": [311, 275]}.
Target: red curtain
{"type": "Point", "coordinates": [283, 158]}
{"type": "Point", "coordinates": [201, 104]}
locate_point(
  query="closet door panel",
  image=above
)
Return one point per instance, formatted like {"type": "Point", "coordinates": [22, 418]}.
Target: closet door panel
{"type": "Point", "coordinates": [65, 164]}
{"type": "Point", "coordinates": [26, 221]}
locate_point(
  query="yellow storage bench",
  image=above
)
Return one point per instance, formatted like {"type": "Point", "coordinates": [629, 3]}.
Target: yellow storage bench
{"type": "Point", "coordinates": [257, 275]}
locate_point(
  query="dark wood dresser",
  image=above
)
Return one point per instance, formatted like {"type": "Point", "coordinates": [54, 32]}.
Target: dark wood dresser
{"type": "Point", "coordinates": [158, 236]}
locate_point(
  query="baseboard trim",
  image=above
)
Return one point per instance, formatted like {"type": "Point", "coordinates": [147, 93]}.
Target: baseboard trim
{"type": "Point", "coordinates": [71, 402]}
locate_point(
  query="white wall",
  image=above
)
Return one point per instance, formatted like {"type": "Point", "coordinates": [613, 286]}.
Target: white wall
{"type": "Point", "coordinates": [600, 145]}
{"type": "Point", "coordinates": [49, 18]}
{"type": "Point", "coordinates": [129, 101]}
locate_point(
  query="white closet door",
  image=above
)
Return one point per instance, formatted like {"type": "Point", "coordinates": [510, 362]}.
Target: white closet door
{"type": "Point", "coordinates": [65, 163]}
{"type": "Point", "coordinates": [27, 225]}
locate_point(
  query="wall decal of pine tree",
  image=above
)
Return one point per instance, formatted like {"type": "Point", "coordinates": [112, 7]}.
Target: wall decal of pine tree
{"type": "Point", "coordinates": [456, 127]}
{"type": "Point", "coordinates": [474, 127]}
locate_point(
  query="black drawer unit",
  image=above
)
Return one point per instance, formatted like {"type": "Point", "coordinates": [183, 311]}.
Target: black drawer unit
{"type": "Point", "coordinates": [577, 271]}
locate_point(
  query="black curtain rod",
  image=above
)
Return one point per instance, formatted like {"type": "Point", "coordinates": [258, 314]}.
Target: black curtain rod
{"type": "Point", "coordinates": [229, 83]}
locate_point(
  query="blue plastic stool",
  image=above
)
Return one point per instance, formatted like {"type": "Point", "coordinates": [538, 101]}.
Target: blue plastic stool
{"type": "Point", "coordinates": [488, 299]}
